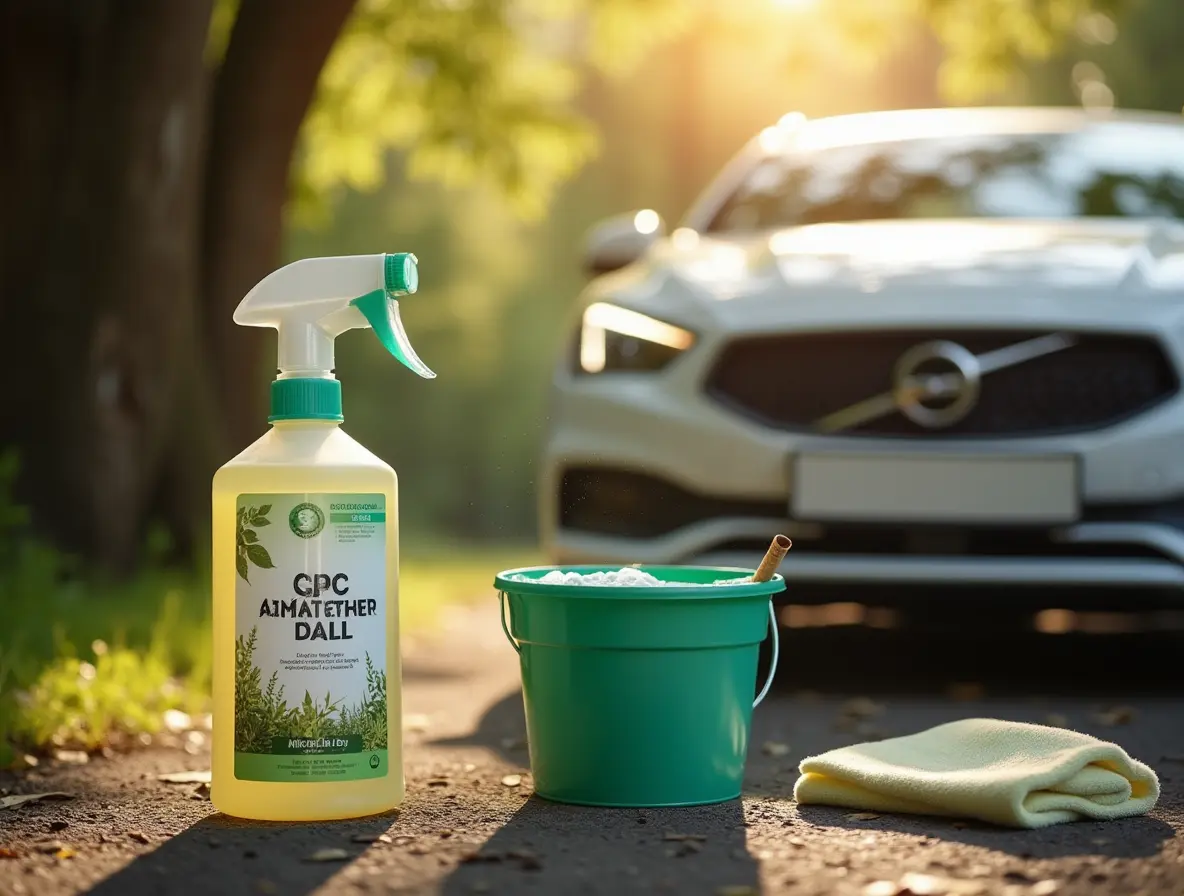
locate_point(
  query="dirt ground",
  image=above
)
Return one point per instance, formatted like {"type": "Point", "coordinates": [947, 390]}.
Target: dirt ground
{"type": "Point", "coordinates": [464, 831]}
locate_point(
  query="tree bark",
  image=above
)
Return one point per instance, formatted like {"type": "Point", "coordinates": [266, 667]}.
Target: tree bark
{"type": "Point", "coordinates": [263, 91]}
{"type": "Point", "coordinates": [102, 110]}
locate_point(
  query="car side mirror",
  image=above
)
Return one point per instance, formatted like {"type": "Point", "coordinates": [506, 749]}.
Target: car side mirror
{"type": "Point", "coordinates": [621, 240]}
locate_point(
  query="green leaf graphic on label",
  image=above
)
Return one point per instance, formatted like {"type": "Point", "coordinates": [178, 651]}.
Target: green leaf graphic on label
{"type": "Point", "coordinates": [265, 723]}
{"type": "Point", "coordinates": [247, 540]}
{"type": "Point", "coordinates": [258, 555]}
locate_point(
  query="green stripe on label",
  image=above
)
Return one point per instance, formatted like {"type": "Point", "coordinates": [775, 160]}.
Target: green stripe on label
{"type": "Point", "coordinates": [357, 517]}
{"type": "Point", "coordinates": [291, 769]}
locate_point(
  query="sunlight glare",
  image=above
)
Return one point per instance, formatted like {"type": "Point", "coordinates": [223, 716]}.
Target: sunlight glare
{"type": "Point", "coordinates": [795, 5]}
{"type": "Point", "coordinates": [771, 140]}
{"type": "Point", "coordinates": [646, 221]}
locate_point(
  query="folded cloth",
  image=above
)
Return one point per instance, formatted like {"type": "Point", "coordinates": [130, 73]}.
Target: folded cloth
{"type": "Point", "coordinates": [1007, 773]}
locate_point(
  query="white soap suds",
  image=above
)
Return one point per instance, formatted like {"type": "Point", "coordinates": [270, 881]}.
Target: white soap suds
{"type": "Point", "coordinates": [629, 577]}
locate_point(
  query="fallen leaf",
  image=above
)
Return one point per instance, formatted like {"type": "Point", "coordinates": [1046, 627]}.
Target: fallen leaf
{"type": "Point", "coordinates": [72, 757]}
{"type": "Point", "coordinates": [1115, 716]}
{"type": "Point", "coordinates": [737, 890]}
{"type": "Point", "coordinates": [923, 884]}
{"type": "Point", "coordinates": [965, 691]}
{"type": "Point", "coordinates": [438, 782]}
{"type": "Point", "coordinates": [200, 792]}
{"type": "Point", "coordinates": [526, 859]}
{"type": "Point", "coordinates": [478, 857]}
{"type": "Point", "coordinates": [64, 853]}
{"type": "Point", "coordinates": [330, 854]}
{"type": "Point", "coordinates": [6, 853]}
{"type": "Point", "coordinates": [140, 836]}
{"type": "Point", "coordinates": [685, 848]}
{"type": "Point", "coordinates": [861, 707]}
{"type": "Point", "coordinates": [198, 777]}
{"type": "Point", "coordinates": [775, 749]}
{"type": "Point", "coordinates": [1045, 888]}
{"type": "Point", "coordinates": [1056, 720]}
{"type": "Point", "coordinates": [863, 816]}
{"type": "Point", "coordinates": [371, 838]}
{"type": "Point", "coordinates": [19, 799]}
{"type": "Point", "coordinates": [678, 838]}
{"type": "Point", "coordinates": [512, 780]}
{"type": "Point", "coordinates": [881, 888]}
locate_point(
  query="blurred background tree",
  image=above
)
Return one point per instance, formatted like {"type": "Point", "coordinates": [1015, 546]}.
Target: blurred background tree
{"type": "Point", "coordinates": [162, 158]}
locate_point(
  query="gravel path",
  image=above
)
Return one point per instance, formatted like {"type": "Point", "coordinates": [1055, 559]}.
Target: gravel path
{"type": "Point", "coordinates": [464, 831]}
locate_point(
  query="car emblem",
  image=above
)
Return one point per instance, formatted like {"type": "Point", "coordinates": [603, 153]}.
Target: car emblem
{"type": "Point", "coordinates": [936, 384]}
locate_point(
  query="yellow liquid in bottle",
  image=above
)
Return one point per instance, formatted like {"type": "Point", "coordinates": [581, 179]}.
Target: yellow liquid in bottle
{"type": "Point", "coordinates": [300, 458]}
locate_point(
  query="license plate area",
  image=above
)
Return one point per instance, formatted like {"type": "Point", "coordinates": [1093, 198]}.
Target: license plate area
{"type": "Point", "coordinates": [935, 488]}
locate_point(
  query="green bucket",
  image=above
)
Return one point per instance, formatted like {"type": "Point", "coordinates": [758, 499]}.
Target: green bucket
{"type": "Point", "coordinates": [639, 696]}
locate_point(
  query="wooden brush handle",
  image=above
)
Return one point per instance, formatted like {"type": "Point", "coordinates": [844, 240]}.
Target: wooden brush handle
{"type": "Point", "coordinates": [773, 557]}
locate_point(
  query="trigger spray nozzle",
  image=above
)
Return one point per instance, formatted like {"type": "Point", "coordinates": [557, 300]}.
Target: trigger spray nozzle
{"type": "Point", "coordinates": [380, 307]}
{"type": "Point", "coordinates": [313, 301]}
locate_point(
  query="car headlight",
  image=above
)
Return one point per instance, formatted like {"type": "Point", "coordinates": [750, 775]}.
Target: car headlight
{"type": "Point", "coordinates": [615, 339]}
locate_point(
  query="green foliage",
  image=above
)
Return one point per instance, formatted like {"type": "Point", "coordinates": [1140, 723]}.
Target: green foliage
{"type": "Point", "coordinates": [261, 713]}
{"type": "Point", "coordinates": [247, 547]}
{"type": "Point", "coordinates": [84, 704]}
{"type": "Point", "coordinates": [1136, 57]}
{"type": "Point", "coordinates": [146, 644]}
{"type": "Point", "coordinates": [988, 41]}
{"type": "Point", "coordinates": [475, 93]}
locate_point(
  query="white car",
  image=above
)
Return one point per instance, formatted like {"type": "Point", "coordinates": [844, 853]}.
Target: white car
{"type": "Point", "coordinates": [932, 347]}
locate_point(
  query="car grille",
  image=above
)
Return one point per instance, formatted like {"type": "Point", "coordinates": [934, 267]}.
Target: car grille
{"type": "Point", "coordinates": [792, 381]}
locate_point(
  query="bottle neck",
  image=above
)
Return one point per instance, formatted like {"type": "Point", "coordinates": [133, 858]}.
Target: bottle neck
{"type": "Point", "coordinates": [305, 399]}
{"type": "Point", "coordinates": [300, 425]}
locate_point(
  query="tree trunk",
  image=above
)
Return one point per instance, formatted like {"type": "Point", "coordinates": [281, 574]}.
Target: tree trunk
{"type": "Point", "coordinates": [263, 91]}
{"type": "Point", "coordinates": [102, 109]}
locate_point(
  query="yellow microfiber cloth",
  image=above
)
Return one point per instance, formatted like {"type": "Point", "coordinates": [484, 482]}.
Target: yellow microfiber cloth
{"type": "Point", "coordinates": [1007, 773]}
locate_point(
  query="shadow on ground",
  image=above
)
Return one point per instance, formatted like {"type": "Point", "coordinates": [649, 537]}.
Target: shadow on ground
{"type": "Point", "coordinates": [574, 849]}
{"type": "Point", "coordinates": [223, 855]}
{"type": "Point", "coordinates": [1128, 838]}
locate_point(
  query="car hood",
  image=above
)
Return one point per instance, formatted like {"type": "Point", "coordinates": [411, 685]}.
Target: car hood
{"type": "Point", "coordinates": [910, 270]}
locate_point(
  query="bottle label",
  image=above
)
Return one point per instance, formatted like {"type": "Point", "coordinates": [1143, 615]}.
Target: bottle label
{"type": "Point", "coordinates": [310, 657]}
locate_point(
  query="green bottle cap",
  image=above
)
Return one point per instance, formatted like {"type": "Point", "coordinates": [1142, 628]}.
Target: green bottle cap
{"type": "Point", "coordinates": [401, 272]}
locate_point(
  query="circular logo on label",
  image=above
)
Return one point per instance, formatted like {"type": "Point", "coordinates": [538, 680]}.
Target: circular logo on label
{"type": "Point", "coordinates": [374, 760]}
{"type": "Point", "coordinates": [306, 520]}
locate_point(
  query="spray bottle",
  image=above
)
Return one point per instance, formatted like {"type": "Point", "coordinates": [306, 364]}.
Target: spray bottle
{"type": "Point", "coordinates": [306, 568]}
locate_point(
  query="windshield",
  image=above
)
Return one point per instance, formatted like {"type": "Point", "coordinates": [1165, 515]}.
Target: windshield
{"type": "Point", "coordinates": [1113, 169]}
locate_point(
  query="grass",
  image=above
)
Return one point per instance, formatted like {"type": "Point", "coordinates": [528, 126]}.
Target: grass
{"type": "Point", "coordinates": [87, 663]}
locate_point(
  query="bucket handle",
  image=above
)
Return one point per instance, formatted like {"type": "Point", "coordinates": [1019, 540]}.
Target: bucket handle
{"type": "Point", "coordinates": [501, 595]}
{"type": "Point", "coordinates": [773, 660]}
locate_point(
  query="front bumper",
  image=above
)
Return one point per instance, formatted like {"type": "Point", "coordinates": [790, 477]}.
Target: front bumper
{"type": "Point", "coordinates": [728, 480]}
